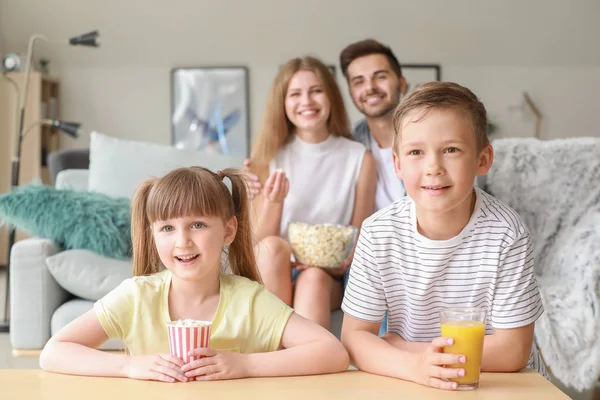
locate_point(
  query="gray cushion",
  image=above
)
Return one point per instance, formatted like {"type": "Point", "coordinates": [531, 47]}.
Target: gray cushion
{"type": "Point", "coordinates": [73, 179]}
{"type": "Point", "coordinates": [87, 274]}
{"type": "Point", "coordinates": [71, 310]}
{"type": "Point", "coordinates": [117, 166]}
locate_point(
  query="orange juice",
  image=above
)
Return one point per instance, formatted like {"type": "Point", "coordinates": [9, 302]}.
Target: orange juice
{"type": "Point", "coordinates": [468, 340]}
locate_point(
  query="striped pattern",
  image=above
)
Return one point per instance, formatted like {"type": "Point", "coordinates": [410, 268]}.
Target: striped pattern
{"type": "Point", "coordinates": [489, 264]}
{"type": "Point", "coordinates": [182, 339]}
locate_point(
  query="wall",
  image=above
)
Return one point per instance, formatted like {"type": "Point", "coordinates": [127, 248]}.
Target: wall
{"type": "Point", "coordinates": [546, 47]}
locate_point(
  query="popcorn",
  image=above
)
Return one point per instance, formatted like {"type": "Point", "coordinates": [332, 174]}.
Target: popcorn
{"type": "Point", "coordinates": [186, 335]}
{"type": "Point", "coordinates": [189, 322]}
{"type": "Point", "coordinates": [325, 246]}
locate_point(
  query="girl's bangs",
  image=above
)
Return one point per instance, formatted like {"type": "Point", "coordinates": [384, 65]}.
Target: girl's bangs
{"type": "Point", "coordinates": [184, 194]}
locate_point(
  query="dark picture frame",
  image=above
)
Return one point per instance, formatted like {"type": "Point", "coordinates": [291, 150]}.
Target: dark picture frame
{"type": "Point", "coordinates": [210, 109]}
{"type": "Point", "coordinates": [417, 74]}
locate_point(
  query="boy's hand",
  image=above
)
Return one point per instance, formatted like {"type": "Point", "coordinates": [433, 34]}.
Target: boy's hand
{"type": "Point", "coordinates": [216, 365]}
{"type": "Point", "coordinates": [157, 367]}
{"type": "Point", "coordinates": [431, 370]}
{"type": "Point", "coordinates": [254, 185]}
{"type": "Point", "coordinates": [276, 187]}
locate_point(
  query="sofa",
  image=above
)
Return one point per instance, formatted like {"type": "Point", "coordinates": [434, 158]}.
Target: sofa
{"type": "Point", "coordinates": [555, 187]}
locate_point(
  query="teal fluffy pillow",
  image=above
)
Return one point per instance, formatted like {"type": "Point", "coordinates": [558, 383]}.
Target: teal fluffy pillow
{"type": "Point", "coordinates": [75, 220]}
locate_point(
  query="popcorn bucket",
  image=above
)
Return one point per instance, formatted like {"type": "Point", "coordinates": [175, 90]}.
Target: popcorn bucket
{"type": "Point", "coordinates": [188, 335]}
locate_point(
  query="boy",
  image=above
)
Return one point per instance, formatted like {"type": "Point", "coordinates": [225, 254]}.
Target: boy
{"type": "Point", "coordinates": [447, 244]}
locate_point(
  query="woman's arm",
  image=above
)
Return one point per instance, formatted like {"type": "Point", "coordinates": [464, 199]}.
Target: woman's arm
{"type": "Point", "coordinates": [364, 199]}
{"type": "Point", "coordinates": [73, 350]}
{"type": "Point", "coordinates": [267, 207]}
{"type": "Point", "coordinates": [364, 203]}
{"type": "Point", "coordinates": [308, 349]}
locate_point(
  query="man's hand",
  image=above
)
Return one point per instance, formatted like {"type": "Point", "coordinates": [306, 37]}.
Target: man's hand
{"type": "Point", "coordinates": [157, 367]}
{"type": "Point", "coordinates": [254, 186]}
{"type": "Point", "coordinates": [431, 371]}
{"type": "Point", "coordinates": [276, 187]}
{"type": "Point", "coordinates": [216, 365]}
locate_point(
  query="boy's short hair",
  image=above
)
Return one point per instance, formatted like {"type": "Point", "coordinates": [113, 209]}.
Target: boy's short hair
{"type": "Point", "coordinates": [444, 95]}
{"type": "Point", "coordinates": [366, 48]}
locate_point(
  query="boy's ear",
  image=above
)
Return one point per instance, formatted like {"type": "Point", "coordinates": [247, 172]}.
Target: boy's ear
{"type": "Point", "coordinates": [486, 158]}
{"type": "Point", "coordinates": [396, 161]}
{"type": "Point", "coordinates": [230, 230]}
{"type": "Point", "coordinates": [403, 85]}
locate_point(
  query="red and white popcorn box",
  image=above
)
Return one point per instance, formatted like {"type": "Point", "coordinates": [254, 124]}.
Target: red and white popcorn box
{"type": "Point", "coordinates": [187, 335]}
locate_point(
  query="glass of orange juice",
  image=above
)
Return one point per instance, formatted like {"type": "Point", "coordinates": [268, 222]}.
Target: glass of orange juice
{"type": "Point", "coordinates": [467, 327]}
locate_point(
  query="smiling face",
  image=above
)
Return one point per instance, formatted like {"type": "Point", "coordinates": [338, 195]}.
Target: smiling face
{"type": "Point", "coordinates": [437, 158]}
{"type": "Point", "coordinates": [374, 86]}
{"type": "Point", "coordinates": [306, 104]}
{"type": "Point", "coordinates": [190, 247]}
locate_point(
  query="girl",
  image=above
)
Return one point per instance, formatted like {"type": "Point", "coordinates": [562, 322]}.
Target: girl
{"type": "Point", "coordinates": [313, 172]}
{"type": "Point", "coordinates": [184, 221]}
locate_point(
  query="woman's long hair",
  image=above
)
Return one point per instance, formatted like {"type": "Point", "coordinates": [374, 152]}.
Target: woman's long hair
{"type": "Point", "coordinates": [192, 191]}
{"type": "Point", "coordinates": [276, 129]}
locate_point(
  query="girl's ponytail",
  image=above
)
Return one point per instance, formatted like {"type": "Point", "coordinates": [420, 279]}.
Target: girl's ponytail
{"type": "Point", "coordinates": [145, 256]}
{"type": "Point", "coordinates": [241, 250]}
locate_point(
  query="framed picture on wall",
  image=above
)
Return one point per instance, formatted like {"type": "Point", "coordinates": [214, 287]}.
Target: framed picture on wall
{"type": "Point", "coordinates": [417, 74]}
{"type": "Point", "coordinates": [210, 110]}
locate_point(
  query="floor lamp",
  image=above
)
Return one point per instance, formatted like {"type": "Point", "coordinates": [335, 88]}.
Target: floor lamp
{"type": "Point", "coordinates": [90, 39]}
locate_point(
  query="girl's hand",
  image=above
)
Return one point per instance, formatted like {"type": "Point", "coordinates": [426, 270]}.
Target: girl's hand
{"type": "Point", "coordinates": [276, 187]}
{"type": "Point", "coordinates": [431, 370]}
{"type": "Point", "coordinates": [216, 365]}
{"type": "Point", "coordinates": [157, 367]}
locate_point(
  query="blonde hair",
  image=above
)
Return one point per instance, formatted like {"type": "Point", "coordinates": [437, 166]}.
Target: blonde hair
{"type": "Point", "coordinates": [185, 192]}
{"type": "Point", "coordinates": [443, 95]}
{"type": "Point", "coordinates": [276, 129]}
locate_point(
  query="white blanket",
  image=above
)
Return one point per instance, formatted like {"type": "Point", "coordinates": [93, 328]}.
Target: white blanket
{"type": "Point", "coordinates": [555, 187]}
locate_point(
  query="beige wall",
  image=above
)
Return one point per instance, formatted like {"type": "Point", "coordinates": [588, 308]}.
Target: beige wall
{"type": "Point", "coordinates": [546, 47]}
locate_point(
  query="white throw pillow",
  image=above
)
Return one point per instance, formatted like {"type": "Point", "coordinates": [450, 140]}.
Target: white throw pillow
{"type": "Point", "coordinates": [87, 274]}
{"type": "Point", "coordinates": [117, 166]}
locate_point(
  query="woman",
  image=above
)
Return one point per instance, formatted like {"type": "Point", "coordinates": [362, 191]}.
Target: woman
{"type": "Point", "coordinates": [312, 172]}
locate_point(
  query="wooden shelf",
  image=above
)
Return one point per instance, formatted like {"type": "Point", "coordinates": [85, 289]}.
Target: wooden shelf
{"type": "Point", "coordinates": [42, 102]}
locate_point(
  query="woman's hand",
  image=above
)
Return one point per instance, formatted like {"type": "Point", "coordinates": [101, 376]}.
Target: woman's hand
{"type": "Point", "coordinates": [253, 182]}
{"type": "Point", "coordinates": [216, 365]}
{"type": "Point", "coordinates": [335, 272]}
{"type": "Point", "coordinates": [341, 270]}
{"type": "Point", "coordinates": [156, 367]}
{"type": "Point", "coordinates": [276, 187]}
{"type": "Point", "coordinates": [431, 370]}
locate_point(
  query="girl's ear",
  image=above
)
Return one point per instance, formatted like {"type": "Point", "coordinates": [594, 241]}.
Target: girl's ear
{"type": "Point", "coordinates": [230, 230]}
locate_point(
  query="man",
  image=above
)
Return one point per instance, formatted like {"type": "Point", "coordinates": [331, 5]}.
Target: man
{"type": "Point", "coordinates": [376, 85]}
